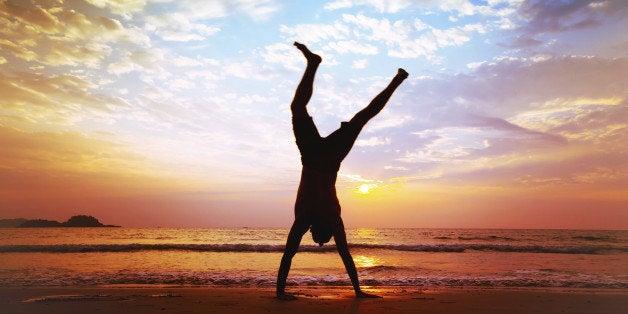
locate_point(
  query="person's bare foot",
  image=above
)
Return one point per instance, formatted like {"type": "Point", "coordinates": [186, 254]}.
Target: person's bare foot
{"type": "Point", "coordinates": [310, 56]}
{"type": "Point", "coordinates": [401, 74]}
{"type": "Point", "coordinates": [285, 297]}
{"type": "Point", "coordinates": [364, 295]}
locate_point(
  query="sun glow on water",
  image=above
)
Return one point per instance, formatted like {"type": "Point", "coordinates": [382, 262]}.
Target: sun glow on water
{"type": "Point", "coordinates": [366, 261]}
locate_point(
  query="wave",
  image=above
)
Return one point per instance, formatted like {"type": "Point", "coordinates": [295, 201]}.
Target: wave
{"type": "Point", "coordinates": [269, 248]}
{"type": "Point", "coordinates": [596, 238]}
{"type": "Point", "coordinates": [238, 280]}
{"type": "Point", "coordinates": [486, 238]}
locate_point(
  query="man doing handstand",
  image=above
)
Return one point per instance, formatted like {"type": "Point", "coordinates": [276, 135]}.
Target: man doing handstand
{"type": "Point", "coordinates": [317, 207]}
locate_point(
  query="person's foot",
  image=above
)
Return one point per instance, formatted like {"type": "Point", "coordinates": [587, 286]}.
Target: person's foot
{"type": "Point", "coordinates": [310, 56]}
{"type": "Point", "coordinates": [363, 295]}
{"type": "Point", "coordinates": [285, 297]}
{"type": "Point", "coordinates": [401, 74]}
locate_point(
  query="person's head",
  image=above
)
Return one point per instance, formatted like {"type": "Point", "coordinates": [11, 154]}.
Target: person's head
{"type": "Point", "coordinates": [321, 231]}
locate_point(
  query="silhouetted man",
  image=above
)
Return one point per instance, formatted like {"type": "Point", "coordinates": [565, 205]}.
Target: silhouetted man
{"type": "Point", "coordinates": [317, 207]}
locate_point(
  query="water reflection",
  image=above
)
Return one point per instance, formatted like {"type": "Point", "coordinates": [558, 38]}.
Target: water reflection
{"type": "Point", "coordinates": [366, 261]}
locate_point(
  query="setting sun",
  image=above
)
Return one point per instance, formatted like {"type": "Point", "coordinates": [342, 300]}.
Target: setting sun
{"type": "Point", "coordinates": [366, 188]}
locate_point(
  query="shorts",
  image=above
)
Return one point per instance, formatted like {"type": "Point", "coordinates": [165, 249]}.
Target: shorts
{"type": "Point", "coordinates": [324, 154]}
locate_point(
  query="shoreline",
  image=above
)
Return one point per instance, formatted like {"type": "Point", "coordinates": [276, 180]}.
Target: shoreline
{"type": "Point", "coordinates": [318, 299]}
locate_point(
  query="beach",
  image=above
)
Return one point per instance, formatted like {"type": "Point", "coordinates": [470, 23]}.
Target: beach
{"type": "Point", "coordinates": [330, 299]}
{"type": "Point", "coordinates": [233, 270]}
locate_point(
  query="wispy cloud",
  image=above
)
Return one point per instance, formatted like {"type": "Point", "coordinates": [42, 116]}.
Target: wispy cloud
{"type": "Point", "coordinates": [542, 17]}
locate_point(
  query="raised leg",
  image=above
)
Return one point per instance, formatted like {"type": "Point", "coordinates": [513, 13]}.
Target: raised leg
{"type": "Point", "coordinates": [299, 228]}
{"type": "Point", "coordinates": [377, 104]}
{"type": "Point", "coordinates": [306, 86]}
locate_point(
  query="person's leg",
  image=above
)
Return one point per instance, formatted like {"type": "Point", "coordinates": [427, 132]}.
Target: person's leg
{"type": "Point", "coordinates": [344, 138]}
{"type": "Point", "coordinates": [299, 228]}
{"type": "Point", "coordinates": [304, 89]}
{"type": "Point", "coordinates": [377, 104]}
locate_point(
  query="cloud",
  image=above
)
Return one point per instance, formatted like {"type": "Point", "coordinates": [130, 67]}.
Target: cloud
{"type": "Point", "coordinates": [528, 23]}
{"type": "Point", "coordinates": [542, 17]}
{"type": "Point", "coordinates": [283, 54]}
{"type": "Point", "coordinates": [591, 120]}
{"type": "Point", "coordinates": [57, 97]}
{"type": "Point", "coordinates": [19, 51]}
{"type": "Point", "coordinates": [141, 61]}
{"type": "Point", "coordinates": [511, 118]}
{"type": "Point", "coordinates": [313, 33]}
{"type": "Point", "coordinates": [125, 8]}
{"type": "Point", "coordinates": [247, 70]}
{"type": "Point", "coordinates": [178, 27]}
{"type": "Point", "coordinates": [354, 178]}
{"type": "Point", "coordinates": [257, 9]}
{"type": "Point", "coordinates": [70, 152]}
{"type": "Point", "coordinates": [351, 46]}
{"type": "Point", "coordinates": [179, 84]}
{"type": "Point", "coordinates": [182, 89]}
{"type": "Point", "coordinates": [462, 7]}
{"type": "Point", "coordinates": [359, 64]}
{"type": "Point", "coordinates": [390, 121]}
{"type": "Point", "coordinates": [36, 16]}
{"type": "Point", "coordinates": [490, 124]}
{"type": "Point", "coordinates": [499, 8]}
{"type": "Point", "coordinates": [63, 170]}
{"type": "Point", "coordinates": [551, 16]}
{"type": "Point", "coordinates": [378, 29]}
{"type": "Point", "coordinates": [373, 141]}
{"type": "Point", "coordinates": [388, 6]}
{"type": "Point", "coordinates": [361, 34]}
{"type": "Point", "coordinates": [61, 36]}
{"type": "Point", "coordinates": [409, 40]}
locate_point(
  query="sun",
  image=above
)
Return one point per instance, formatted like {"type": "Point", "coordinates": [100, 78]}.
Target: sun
{"type": "Point", "coordinates": [366, 188]}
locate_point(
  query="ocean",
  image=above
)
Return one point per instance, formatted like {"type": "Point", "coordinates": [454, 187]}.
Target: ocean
{"type": "Point", "coordinates": [249, 257]}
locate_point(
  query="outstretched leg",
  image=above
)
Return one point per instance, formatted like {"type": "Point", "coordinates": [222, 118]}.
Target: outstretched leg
{"type": "Point", "coordinates": [377, 104]}
{"type": "Point", "coordinates": [299, 228]}
{"type": "Point", "coordinates": [304, 90]}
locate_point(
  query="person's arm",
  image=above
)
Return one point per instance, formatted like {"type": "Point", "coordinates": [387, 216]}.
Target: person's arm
{"type": "Point", "coordinates": [299, 227]}
{"type": "Point", "coordinates": [343, 249]}
{"type": "Point", "coordinates": [377, 104]}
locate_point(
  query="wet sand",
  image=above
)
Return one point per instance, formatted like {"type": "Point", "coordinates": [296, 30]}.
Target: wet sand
{"type": "Point", "coordinates": [178, 299]}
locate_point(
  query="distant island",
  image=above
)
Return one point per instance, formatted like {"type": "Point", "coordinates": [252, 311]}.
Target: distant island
{"type": "Point", "coordinates": [81, 221]}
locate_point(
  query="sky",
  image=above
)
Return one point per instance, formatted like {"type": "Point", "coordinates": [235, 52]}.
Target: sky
{"type": "Point", "coordinates": [172, 113]}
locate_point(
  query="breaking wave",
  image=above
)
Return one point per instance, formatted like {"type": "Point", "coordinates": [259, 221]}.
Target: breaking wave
{"type": "Point", "coordinates": [268, 248]}
{"type": "Point", "coordinates": [206, 278]}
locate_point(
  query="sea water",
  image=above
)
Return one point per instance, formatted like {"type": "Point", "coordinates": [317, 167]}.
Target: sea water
{"type": "Point", "coordinates": [250, 257]}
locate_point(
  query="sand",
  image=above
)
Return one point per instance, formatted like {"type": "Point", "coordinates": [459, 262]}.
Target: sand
{"type": "Point", "coordinates": [320, 300]}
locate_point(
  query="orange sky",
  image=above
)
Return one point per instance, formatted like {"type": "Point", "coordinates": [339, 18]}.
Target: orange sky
{"type": "Point", "coordinates": [175, 113]}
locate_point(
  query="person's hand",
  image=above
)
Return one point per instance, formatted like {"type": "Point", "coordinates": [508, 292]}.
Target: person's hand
{"type": "Point", "coordinates": [285, 297]}
{"type": "Point", "coordinates": [364, 295]}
